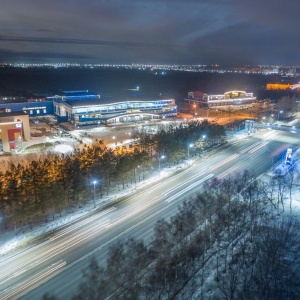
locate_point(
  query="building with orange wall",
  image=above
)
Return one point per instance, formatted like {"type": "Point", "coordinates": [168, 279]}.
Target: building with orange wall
{"type": "Point", "coordinates": [280, 86]}
{"type": "Point", "coordinates": [14, 129]}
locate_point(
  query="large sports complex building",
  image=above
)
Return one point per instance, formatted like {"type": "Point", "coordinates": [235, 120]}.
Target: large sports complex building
{"type": "Point", "coordinates": [80, 108]}
{"type": "Point", "coordinates": [85, 108]}
{"type": "Point", "coordinates": [106, 111]}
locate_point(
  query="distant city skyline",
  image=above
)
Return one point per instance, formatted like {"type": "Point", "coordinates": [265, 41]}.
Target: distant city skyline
{"type": "Point", "coordinates": [224, 32]}
{"type": "Point", "coordinates": [161, 69]}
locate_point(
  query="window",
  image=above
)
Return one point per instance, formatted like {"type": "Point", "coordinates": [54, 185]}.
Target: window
{"type": "Point", "coordinates": [37, 111]}
{"type": "Point", "coordinates": [31, 112]}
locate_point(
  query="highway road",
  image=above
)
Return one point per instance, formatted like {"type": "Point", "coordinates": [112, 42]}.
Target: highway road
{"type": "Point", "coordinates": [56, 264]}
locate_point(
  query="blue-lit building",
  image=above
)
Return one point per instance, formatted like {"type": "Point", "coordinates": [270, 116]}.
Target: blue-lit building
{"type": "Point", "coordinates": [39, 107]}
{"type": "Point", "coordinates": [105, 111]}
{"type": "Point", "coordinates": [85, 108]}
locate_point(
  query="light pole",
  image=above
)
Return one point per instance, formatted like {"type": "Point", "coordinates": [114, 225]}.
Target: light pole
{"type": "Point", "coordinates": [202, 143]}
{"type": "Point", "coordinates": [136, 170]}
{"type": "Point", "coordinates": [190, 146]}
{"type": "Point", "coordinates": [160, 157]}
{"type": "Point", "coordinates": [194, 110]}
{"type": "Point", "coordinates": [94, 182]}
{"type": "Point", "coordinates": [279, 112]}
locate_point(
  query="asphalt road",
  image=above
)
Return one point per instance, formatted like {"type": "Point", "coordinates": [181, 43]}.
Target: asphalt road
{"type": "Point", "coordinates": [56, 265]}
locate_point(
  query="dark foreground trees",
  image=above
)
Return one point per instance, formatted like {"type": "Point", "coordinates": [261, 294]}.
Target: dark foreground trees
{"type": "Point", "coordinates": [224, 244]}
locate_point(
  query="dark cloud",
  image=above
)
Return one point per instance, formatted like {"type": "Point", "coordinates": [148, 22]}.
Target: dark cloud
{"type": "Point", "coordinates": [76, 41]}
{"type": "Point", "coordinates": [36, 57]}
{"type": "Point", "coordinates": [156, 31]}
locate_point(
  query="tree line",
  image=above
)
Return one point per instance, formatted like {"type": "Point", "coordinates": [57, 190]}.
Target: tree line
{"type": "Point", "coordinates": [230, 242]}
{"type": "Point", "coordinates": [41, 189]}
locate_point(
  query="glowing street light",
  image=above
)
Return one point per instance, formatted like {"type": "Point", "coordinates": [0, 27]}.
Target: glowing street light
{"type": "Point", "coordinates": [279, 112]}
{"type": "Point", "coordinates": [94, 182]}
{"type": "Point", "coordinates": [135, 171]}
{"type": "Point", "coordinates": [190, 146]}
{"type": "Point", "coordinates": [160, 157]}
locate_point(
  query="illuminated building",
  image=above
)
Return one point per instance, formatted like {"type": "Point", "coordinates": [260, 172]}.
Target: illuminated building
{"type": "Point", "coordinates": [101, 111]}
{"type": "Point", "coordinates": [282, 86]}
{"type": "Point", "coordinates": [14, 128]}
{"type": "Point", "coordinates": [279, 86]}
{"type": "Point", "coordinates": [229, 98]}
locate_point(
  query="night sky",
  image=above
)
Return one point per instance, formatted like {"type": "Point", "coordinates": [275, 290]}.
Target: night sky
{"type": "Point", "coordinates": [225, 32]}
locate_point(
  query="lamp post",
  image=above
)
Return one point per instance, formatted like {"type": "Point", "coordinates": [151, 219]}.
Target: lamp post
{"type": "Point", "coordinates": [190, 146]}
{"type": "Point", "coordinates": [94, 182]}
{"type": "Point", "coordinates": [279, 112]}
{"type": "Point", "coordinates": [160, 157]}
{"type": "Point", "coordinates": [137, 170]}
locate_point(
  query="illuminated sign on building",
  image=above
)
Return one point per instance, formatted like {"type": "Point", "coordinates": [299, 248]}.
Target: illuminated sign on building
{"type": "Point", "coordinates": [37, 107]}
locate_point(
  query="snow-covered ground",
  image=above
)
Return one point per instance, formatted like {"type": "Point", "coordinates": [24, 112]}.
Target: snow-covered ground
{"type": "Point", "coordinates": [11, 240]}
{"type": "Point", "coordinates": [14, 240]}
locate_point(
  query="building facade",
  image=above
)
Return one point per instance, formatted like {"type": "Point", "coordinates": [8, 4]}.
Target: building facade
{"type": "Point", "coordinates": [228, 98]}
{"type": "Point", "coordinates": [282, 86]}
{"type": "Point", "coordinates": [14, 129]}
{"type": "Point", "coordinates": [99, 111]}
{"type": "Point", "coordinates": [32, 108]}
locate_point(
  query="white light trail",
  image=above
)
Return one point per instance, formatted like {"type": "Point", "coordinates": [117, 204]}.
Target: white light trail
{"type": "Point", "coordinates": [224, 161]}
{"type": "Point", "coordinates": [189, 187]}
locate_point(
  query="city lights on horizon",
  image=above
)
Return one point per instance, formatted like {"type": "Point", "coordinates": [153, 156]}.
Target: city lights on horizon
{"type": "Point", "coordinates": [160, 69]}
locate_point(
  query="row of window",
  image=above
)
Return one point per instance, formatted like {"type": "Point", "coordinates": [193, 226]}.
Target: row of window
{"type": "Point", "coordinates": [38, 111]}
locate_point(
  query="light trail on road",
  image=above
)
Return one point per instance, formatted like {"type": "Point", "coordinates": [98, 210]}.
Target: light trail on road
{"type": "Point", "coordinates": [133, 215]}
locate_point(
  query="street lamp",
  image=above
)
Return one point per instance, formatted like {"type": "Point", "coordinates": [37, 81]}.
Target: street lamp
{"type": "Point", "coordinates": [160, 157]}
{"type": "Point", "coordinates": [194, 109]}
{"type": "Point", "coordinates": [279, 112]}
{"type": "Point", "coordinates": [203, 136]}
{"type": "Point", "coordinates": [94, 182]}
{"type": "Point", "coordinates": [135, 171]}
{"type": "Point", "coordinates": [190, 146]}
